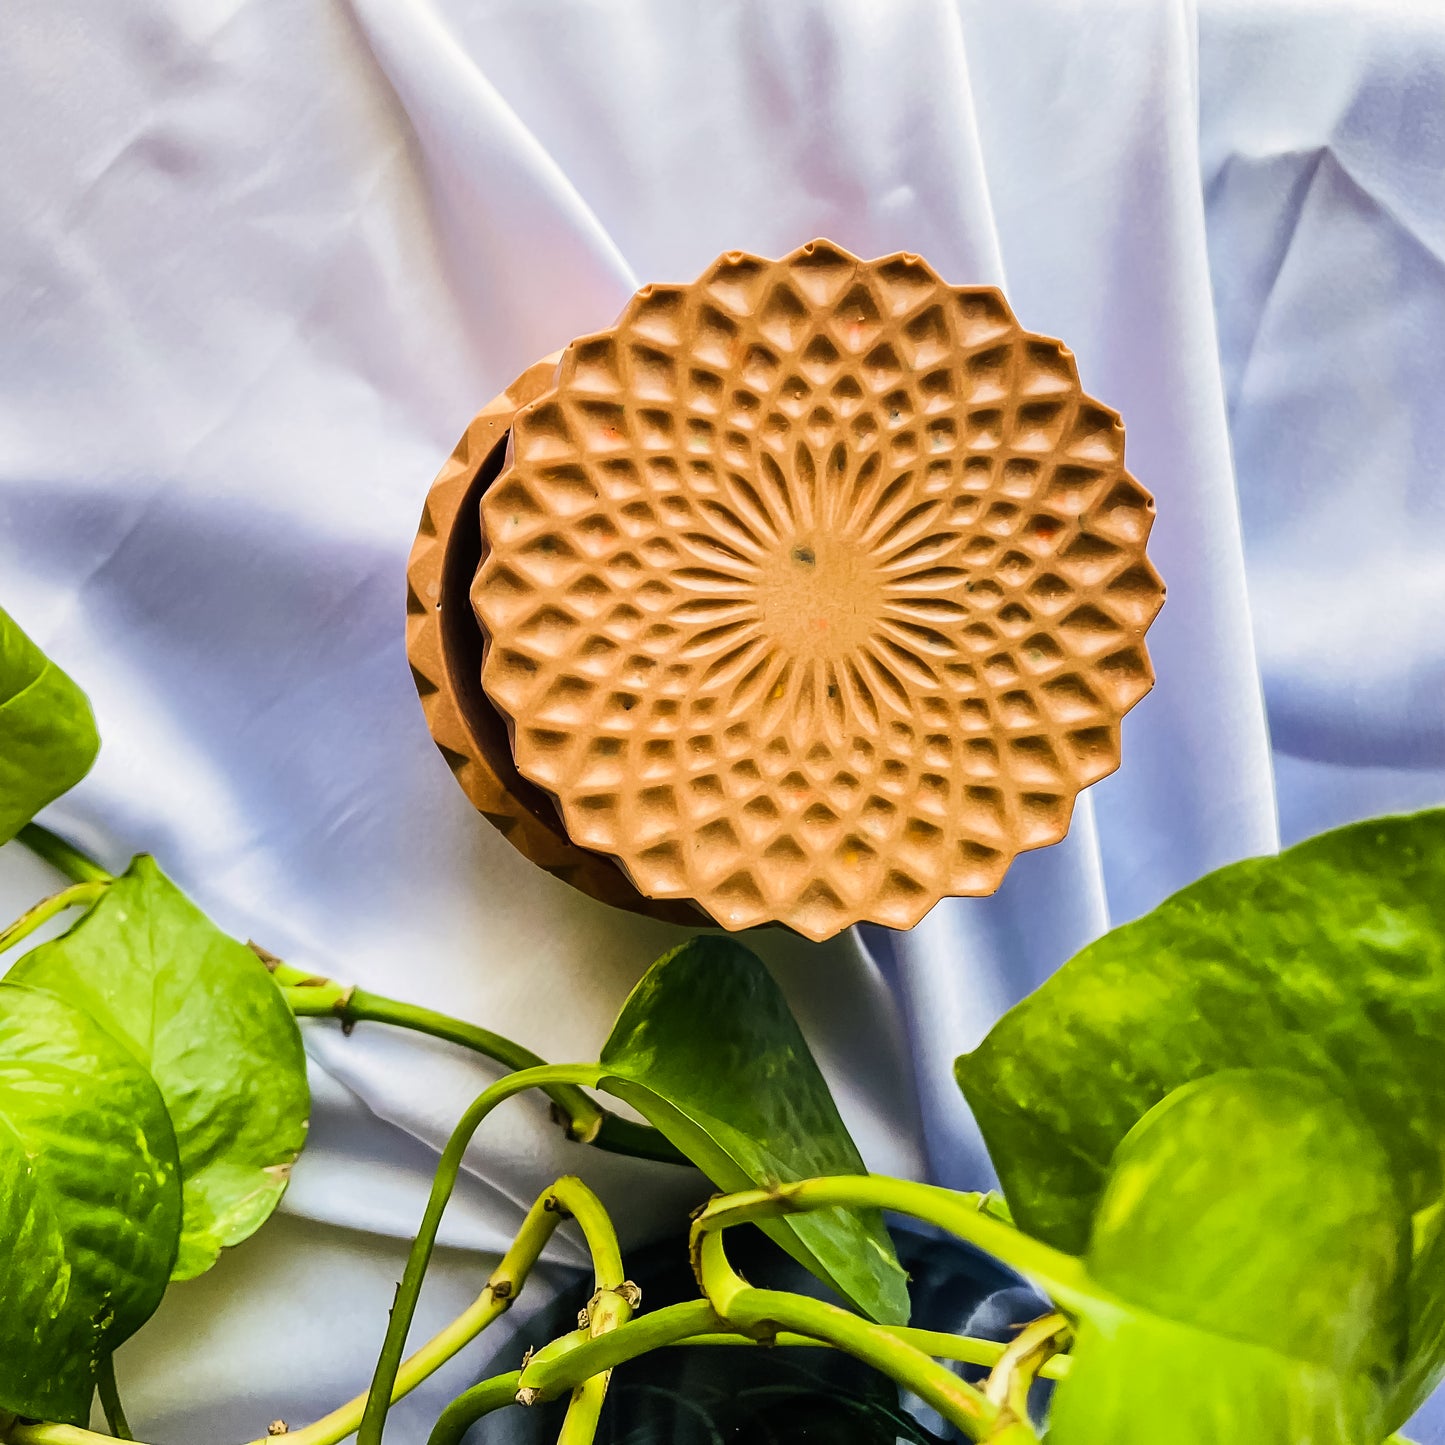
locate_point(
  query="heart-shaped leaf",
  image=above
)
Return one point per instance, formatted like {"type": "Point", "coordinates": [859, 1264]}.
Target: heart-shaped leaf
{"type": "Point", "coordinates": [90, 1202]}
{"type": "Point", "coordinates": [1327, 960]}
{"type": "Point", "coordinates": [706, 1049]}
{"type": "Point", "coordinates": [199, 1010]}
{"type": "Point", "coordinates": [47, 730]}
{"type": "Point", "coordinates": [1249, 1256]}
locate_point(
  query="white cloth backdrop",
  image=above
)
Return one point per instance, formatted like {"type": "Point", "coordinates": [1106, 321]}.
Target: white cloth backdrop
{"type": "Point", "coordinates": [260, 260]}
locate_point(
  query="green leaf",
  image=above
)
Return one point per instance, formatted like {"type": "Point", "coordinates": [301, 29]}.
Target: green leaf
{"type": "Point", "coordinates": [1248, 1257]}
{"type": "Point", "coordinates": [1328, 960]}
{"type": "Point", "coordinates": [1427, 1316]}
{"type": "Point", "coordinates": [47, 730]}
{"type": "Point", "coordinates": [199, 1010]}
{"type": "Point", "coordinates": [90, 1203]}
{"type": "Point", "coordinates": [706, 1050]}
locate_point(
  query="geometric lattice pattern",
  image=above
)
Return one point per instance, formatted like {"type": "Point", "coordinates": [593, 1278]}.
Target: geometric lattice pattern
{"type": "Point", "coordinates": [816, 590]}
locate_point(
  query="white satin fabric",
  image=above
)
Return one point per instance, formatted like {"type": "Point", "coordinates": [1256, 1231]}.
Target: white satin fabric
{"type": "Point", "coordinates": [260, 260]}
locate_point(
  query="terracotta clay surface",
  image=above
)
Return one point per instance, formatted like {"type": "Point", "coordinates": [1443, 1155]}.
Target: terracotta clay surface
{"type": "Point", "coordinates": [444, 646]}
{"type": "Point", "coordinates": [817, 590]}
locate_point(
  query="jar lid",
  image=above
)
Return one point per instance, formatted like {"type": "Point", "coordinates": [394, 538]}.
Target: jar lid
{"type": "Point", "coordinates": [816, 590]}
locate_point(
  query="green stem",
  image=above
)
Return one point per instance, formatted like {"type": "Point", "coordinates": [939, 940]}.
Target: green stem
{"type": "Point", "coordinates": [327, 999]}
{"type": "Point", "coordinates": [566, 1362]}
{"type": "Point", "coordinates": [357, 1005]}
{"type": "Point", "coordinates": [941, 1346]}
{"type": "Point", "coordinates": [582, 1117]}
{"type": "Point", "coordinates": [1059, 1275]}
{"type": "Point", "coordinates": [1010, 1381]}
{"type": "Point", "coordinates": [612, 1302]}
{"type": "Point", "coordinates": [502, 1287]}
{"type": "Point", "coordinates": [76, 864]}
{"type": "Point", "coordinates": [571, 1197]}
{"type": "Point", "coordinates": [373, 1420]}
{"type": "Point", "coordinates": [609, 1308]}
{"type": "Point", "coordinates": [762, 1312]}
{"type": "Point", "coordinates": [110, 1400]}
{"type": "Point", "coordinates": [636, 1141]}
{"type": "Point", "coordinates": [561, 1365]}
{"type": "Point", "coordinates": [468, 1408]}
{"type": "Point", "coordinates": [584, 1410]}
{"type": "Point", "coordinates": [78, 895]}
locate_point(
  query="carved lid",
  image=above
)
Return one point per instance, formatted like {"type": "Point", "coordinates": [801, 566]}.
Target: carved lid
{"type": "Point", "coordinates": [816, 590]}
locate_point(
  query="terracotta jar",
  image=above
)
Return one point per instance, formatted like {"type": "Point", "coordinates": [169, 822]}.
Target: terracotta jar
{"type": "Point", "coordinates": [811, 592]}
{"type": "Point", "coordinates": [445, 647]}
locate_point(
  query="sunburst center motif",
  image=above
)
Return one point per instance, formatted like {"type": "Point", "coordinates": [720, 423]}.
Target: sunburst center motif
{"type": "Point", "coordinates": [818, 596]}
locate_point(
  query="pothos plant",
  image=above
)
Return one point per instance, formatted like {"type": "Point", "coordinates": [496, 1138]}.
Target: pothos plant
{"type": "Point", "coordinates": [1220, 1132]}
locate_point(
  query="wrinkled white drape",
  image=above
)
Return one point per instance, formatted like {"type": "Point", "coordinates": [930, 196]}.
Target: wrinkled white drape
{"type": "Point", "coordinates": [260, 260]}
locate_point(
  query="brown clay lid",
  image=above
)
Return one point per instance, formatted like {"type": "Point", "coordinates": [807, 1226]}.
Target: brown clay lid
{"type": "Point", "coordinates": [817, 589]}
{"type": "Point", "coordinates": [444, 646]}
